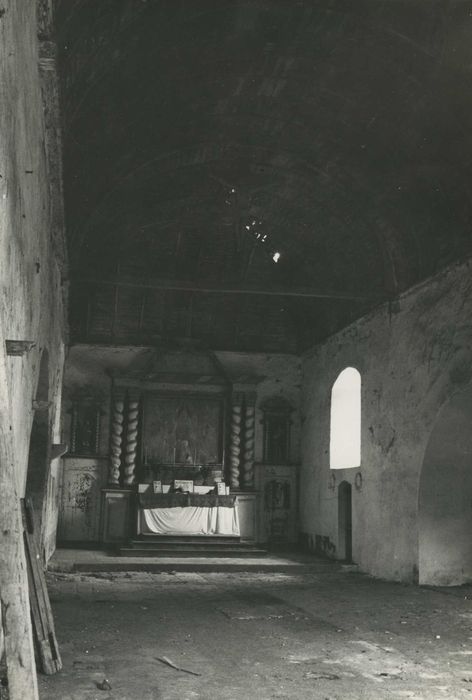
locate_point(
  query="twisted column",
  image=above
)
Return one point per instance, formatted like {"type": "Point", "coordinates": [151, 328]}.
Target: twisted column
{"type": "Point", "coordinates": [115, 440]}
{"type": "Point", "coordinates": [235, 444]}
{"type": "Point", "coordinates": [131, 441]}
{"type": "Point", "coordinates": [248, 454]}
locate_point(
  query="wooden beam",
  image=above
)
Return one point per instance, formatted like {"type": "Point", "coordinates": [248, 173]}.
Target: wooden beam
{"type": "Point", "coordinates": [58, 449]}
{"type": "Point", "coordinates": [14, 602]}
{"type": "Point", "coordinates": [194, 287]}
{"type": "Point", "coordinates": [19, 348]}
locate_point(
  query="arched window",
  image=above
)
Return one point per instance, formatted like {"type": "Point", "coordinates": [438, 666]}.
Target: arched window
{"type": "Point", "coordinates": [345, 436]}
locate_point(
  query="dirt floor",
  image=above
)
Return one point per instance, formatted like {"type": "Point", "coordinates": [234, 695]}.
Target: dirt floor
{"type": "Point", "coordinates": [330, 635]}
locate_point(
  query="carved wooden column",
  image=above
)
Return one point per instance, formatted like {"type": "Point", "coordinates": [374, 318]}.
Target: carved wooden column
{"type": "Point", "coordinates": [116, 438]}
{"type": "Point", "coordinates": [131, 439]}
{"type": "Point", "coordinates": [235, 441]}
{"type": "Point", "coordinates": [248, 441]}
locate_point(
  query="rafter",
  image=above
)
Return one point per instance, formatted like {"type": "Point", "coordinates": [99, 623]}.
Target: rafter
{"type": "Point", "coordinates": [185, 286]}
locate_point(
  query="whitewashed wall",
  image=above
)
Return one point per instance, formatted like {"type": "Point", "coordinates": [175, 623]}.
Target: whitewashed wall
{"type": "Point", "coordinates": [412, 359]}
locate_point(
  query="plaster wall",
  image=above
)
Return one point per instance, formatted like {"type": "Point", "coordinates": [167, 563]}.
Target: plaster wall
{"type": "Point", "coordinates": [412, 358]}
{"type": "Point", "coordinates": [445, 513]}
{"type": "Point", "coordinates": [88, 366]}
{"type": "Point", "coordinates": [31, 293]}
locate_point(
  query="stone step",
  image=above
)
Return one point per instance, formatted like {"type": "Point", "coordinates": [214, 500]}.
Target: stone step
{"type": "Point", "coordinates": [158, 565]}
{"type": "Point", "coordinates": [186, 551]}
{"type": "Point", "coordinates": [187, 545]}
{"type": "Point", "coordinates": [194, 540]}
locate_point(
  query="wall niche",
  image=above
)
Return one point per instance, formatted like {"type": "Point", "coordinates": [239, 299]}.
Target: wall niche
{"type": "Point", "coordinates": [277, 424]}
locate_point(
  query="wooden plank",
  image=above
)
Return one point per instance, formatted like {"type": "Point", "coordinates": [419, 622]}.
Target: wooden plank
{"type": "Point", "coordinates": [14, 603]}
{"type": "Point", "coordinates": [43, 621]}
{"type": "Point", "coordinates": [44, 629]}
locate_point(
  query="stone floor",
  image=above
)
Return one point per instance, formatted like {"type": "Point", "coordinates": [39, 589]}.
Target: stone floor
{"type": "Point", "coordinates": [328, 635]}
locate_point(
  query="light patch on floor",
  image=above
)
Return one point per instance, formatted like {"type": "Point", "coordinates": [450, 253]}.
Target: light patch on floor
{"type": "Point", "coordinates": [269, 637]}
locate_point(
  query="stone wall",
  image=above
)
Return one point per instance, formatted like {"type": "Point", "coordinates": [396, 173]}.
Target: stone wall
{"type": "Point", "coordinates": [32, 298]}
{"type": "Point", "coordinates": [413, 356]}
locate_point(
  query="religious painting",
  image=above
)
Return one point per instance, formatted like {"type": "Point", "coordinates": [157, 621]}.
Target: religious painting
{"type": "Point", "coordinates": [277, 440]}
{"type": "Point", "coordinates": [85, 428]}
{"type": "Point", "coordinates": [277, 495]}
{"type": "Point", "coordinates": [182, 430]}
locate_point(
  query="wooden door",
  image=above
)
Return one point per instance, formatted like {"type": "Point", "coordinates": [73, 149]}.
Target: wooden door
{"type": "Point", "coordinates": [79, 517]}
{"type": "Point", "coordinates": [345, 521]}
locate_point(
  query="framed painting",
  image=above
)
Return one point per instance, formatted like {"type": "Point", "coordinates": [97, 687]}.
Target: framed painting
{"type": "Point", "coordinates": [185, 430]}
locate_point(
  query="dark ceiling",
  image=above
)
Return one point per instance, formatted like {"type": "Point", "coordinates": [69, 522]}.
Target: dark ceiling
{"type": "Point", "coordinates": [202, 137]}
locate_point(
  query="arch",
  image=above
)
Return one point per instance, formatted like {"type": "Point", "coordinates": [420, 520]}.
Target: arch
{"type": "Point", "coordinates": [345, 521]}
{"type": "Point", "coordinates": [345, 431]}
{"type": "Point", "coordinates": [445, 496]}
{"type": "Point", "coordinates": [38, 456]}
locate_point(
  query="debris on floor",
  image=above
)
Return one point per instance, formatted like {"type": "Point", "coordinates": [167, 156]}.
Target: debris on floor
{"type": "Point", "coordinates": [266, 636]}
{"type": "Point", "coordinates": [168, 662]}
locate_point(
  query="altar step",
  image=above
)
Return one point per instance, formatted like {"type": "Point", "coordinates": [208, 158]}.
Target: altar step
{"type": "Point", "coordinates": [210, 540]}
{"type": "Point", "coordinates": [196, 552]}
{"type": "Point", "coordinates": [98, 562]}
{"type": "Point", "coordinates": [195, 546]}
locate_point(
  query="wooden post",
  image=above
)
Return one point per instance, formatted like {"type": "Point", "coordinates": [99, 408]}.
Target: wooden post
{"type": "Point", "coordinates": [14, 601]}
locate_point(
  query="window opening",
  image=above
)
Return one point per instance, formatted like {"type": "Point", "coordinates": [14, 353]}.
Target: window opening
{"type": "Point", "coordinates": [345, 435]}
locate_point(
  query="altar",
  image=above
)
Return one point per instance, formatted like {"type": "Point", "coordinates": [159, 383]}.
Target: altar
{"type": "Point", "coordinates": [187, 514]}
{"type": "Point", "coordinates": [168, 416]}
{"type": "Point", "coordinates": [177, 418]}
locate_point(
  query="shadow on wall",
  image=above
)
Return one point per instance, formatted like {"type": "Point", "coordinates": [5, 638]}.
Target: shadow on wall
{"type": "Point", "coordinates": [38, 457]}
{"type": "Point", "coordinates": [318, 544]}
{"type": "Point", "coordinates": [445, 497]}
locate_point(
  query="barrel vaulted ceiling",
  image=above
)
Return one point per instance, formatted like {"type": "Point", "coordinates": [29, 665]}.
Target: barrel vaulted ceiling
{"type": "Point", "coordinates": [255, 174]}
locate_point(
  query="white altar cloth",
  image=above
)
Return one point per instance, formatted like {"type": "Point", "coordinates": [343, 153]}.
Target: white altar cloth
{"type": "Point", "coordinates": [191, 520]}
